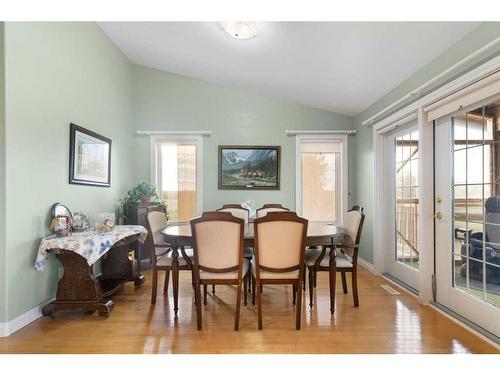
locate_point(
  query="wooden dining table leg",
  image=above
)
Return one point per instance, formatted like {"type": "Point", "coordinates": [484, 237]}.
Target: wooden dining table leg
{"type": "Point", "coordinates": [175, 277]}
{"type": "Point", "coordinates": [333, 273]}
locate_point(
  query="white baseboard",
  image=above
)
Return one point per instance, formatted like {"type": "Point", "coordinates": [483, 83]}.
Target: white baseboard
{"type": "Point", "coordinates": [366, 265]}
{"type": "Point", "coordinates": [8, 328]}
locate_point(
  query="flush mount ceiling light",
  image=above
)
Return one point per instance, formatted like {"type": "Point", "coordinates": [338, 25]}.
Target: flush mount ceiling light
{"type": "Point", "coordinates": [240, 29]}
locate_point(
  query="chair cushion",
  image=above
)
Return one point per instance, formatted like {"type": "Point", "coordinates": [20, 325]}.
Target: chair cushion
{"type": "Point", "coordinates": [274, 275]}
{"type": "Point", "coordinates": [341, 260]}
{"type": "Point", "coordinates": [167, 260]}
{"type": "Point", "coordinates": [205, 275]}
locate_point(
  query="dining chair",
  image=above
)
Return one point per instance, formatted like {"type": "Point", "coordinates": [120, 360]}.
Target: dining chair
{"type": "Point", "coordinates": [236, 210]}
{"type": "Point", "coordinates": [346, 258]}
{"type": "Point", "coordinates": [279, 240]}
{"type": "Point", "coordinates": [243, 213]}
{"type": "Point", "coordinates": [270, 207]}
{"type": "Point", "coordinates": [157, 221]}
{"type": "Point", "coordinates": [218, 256]}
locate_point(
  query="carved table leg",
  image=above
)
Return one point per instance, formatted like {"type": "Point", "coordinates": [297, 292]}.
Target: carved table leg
{"type": "Point", "coordinates": [175, 277]}
{"type": "Point", "coordinates": [333, 276]}
{"type": "Point", "coordinates": [104, 308]}
{"type": "Point", "coordinates": [77, 289]}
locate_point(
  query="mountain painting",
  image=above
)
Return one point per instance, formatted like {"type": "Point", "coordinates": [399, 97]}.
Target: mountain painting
{"type": "Point", "coordinates": [249, 167]}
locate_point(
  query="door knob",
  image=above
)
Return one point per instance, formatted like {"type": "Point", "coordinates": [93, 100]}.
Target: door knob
{"type": "Point", "coordinates": [438, 215]}
{"type": "Point", "coordinates": [439, 199]}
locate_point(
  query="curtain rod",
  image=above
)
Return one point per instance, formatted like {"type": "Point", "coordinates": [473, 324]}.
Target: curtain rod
{"type": "Point", "coordinates": [204, 133]}
{"type": "Point", "coordinates": [317, 132]}
{"type": "Point", "coordinates": [418, 91]}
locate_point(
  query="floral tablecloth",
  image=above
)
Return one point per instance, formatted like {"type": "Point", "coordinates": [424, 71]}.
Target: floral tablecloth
{"type": "Point", "coordinates": [89, 244]}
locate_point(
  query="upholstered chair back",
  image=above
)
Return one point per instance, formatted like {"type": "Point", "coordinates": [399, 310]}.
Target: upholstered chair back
{"type": "Point", "coordinates": [280, 238]}
{"type": "Point", "coordinates": [218, 240]}
{"type": "Point", "coordinates": [264, 210]}
{"type": "Point", "coordinates": [157, 222]}
{"type": "Point", "coordinates": [352, 223]}
{"type": "Point", "coordinates": [239, 212]}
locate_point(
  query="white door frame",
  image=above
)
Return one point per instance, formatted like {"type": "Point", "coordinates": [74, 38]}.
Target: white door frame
{"type": "Point", "coordinates": [426, 168]}
{"type": "Point", "coordinates": [453, 298]}
{"type": "Point", "coordinates": [400, 271]}
{"type": "Point", "coordinates": [425, 206]}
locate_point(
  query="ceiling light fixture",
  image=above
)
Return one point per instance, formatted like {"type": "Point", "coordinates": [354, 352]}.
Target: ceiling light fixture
{"type": "Point", "coordinates": [240, 29]}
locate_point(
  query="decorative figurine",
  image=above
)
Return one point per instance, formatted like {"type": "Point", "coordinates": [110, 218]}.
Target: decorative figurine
{"type": "Point", "coordinates": [61, 225]}
{"type": "Point", "coordinates": [107, 226]}
{"type": "Point", "coordinates": [80, 222]}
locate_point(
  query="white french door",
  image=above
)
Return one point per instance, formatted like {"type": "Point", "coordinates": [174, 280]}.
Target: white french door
{"type": "Point", "coordinates": [467, 214]}
{"type": "Point", "coordinates": [401, 154]}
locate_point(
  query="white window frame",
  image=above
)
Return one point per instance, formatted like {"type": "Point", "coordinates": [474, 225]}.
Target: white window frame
{"type": "Point", "coordinates": [179, 139]}
{"type": "Point", "coordinates": [342, 198]}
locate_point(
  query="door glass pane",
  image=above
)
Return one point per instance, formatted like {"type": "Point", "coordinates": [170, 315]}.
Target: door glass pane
{"type": "Point", "coordinates": [406, 201]}
{"type": "Point", "coordinates": [178, 180]}
{"type": "Point", "coordinates": [476, 203]}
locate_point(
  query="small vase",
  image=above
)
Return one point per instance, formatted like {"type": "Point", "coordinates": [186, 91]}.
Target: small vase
{"type": "Point", "coordinates": [146, 199]}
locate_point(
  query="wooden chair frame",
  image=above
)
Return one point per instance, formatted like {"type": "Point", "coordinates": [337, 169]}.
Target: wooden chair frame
{"type": "Point", "coordinates": [155, 267]}
{"type": "Point", "coordinates": [218, 216]}
{"type": "Point", "coordinates": [271, 205]}
{"type": "Point", "coordinates": [257, 282]}
{"type": "Point", "coordinates": [236, 206]}
{"type": "Point", "coordinates": [353, 270]}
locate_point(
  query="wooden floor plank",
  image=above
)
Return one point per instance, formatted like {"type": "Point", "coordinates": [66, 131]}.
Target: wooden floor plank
{"type": "Point", "coordinates": [383, 323]}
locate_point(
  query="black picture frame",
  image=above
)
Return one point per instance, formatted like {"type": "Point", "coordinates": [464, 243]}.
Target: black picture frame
{"type": "Point", "coordinates": [77, 170]}
{"type": "Point", "coordinates": [268, 177]}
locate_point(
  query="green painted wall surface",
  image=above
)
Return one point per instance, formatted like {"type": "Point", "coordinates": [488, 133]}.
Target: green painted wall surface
{"type": "Point", "coordinates": [3, 270]}
{"type": "Point", "coordinates": [164, 101]}
{"type": "Point", "coordinates": [57, 73]}
{"type": "Point", "coordinates": [363, 142]}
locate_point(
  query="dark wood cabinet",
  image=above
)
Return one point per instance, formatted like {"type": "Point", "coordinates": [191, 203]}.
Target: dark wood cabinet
{"type": "Point", "coordinates": [136, 214]}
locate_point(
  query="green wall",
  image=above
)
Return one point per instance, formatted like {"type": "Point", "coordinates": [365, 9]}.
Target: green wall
{"type": "Point", "coordinates": [164, 101]}
{"type": "Point", "coordinates": [363, 142]}
{"type": "Point", "coordinates": [3, 270]}
{"type": "Point", "coordinates": [57, 73]}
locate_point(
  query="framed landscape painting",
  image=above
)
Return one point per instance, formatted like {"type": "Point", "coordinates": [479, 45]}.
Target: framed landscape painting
{"type": "Point", "coordinates": [89, 157]}
{"type": "Point", "coordinates": [249, 167]}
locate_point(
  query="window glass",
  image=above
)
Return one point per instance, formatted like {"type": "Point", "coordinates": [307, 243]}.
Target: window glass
{"type": "Point", "coordinates": [321, 179]}
{"type": "Point", "coordinates": [177, 179]}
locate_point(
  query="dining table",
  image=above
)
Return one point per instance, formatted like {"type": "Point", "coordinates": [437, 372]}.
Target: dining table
{"type": "Point", "coordinates": [179, 236]}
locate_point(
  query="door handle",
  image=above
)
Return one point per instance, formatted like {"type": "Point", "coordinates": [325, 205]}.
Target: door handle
{"type": "Point", "coordinates": [438, 216]}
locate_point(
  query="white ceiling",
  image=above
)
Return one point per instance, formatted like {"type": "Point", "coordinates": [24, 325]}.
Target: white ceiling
{"type": "Point", "coordinates": [342, 67]}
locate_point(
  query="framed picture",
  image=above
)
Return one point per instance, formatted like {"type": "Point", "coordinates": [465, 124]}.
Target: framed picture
{"type": "Point", "coordinates": [249, 167]}
{"type": "Point", "coordinates": [89, 157]}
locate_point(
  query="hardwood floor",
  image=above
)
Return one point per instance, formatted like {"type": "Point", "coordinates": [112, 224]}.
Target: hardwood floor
{"type": "Point", "coordinates": [383, 323]}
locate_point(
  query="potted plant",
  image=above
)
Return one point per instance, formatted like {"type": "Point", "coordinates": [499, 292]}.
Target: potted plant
{"type": "Point", "coordinates": [143, 192]}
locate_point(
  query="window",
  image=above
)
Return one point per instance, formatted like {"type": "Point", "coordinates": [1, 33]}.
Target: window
{"type": "Point", "coordinates": [176, 171]}
{"type": "Point", "coordinates": [322, 178]}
